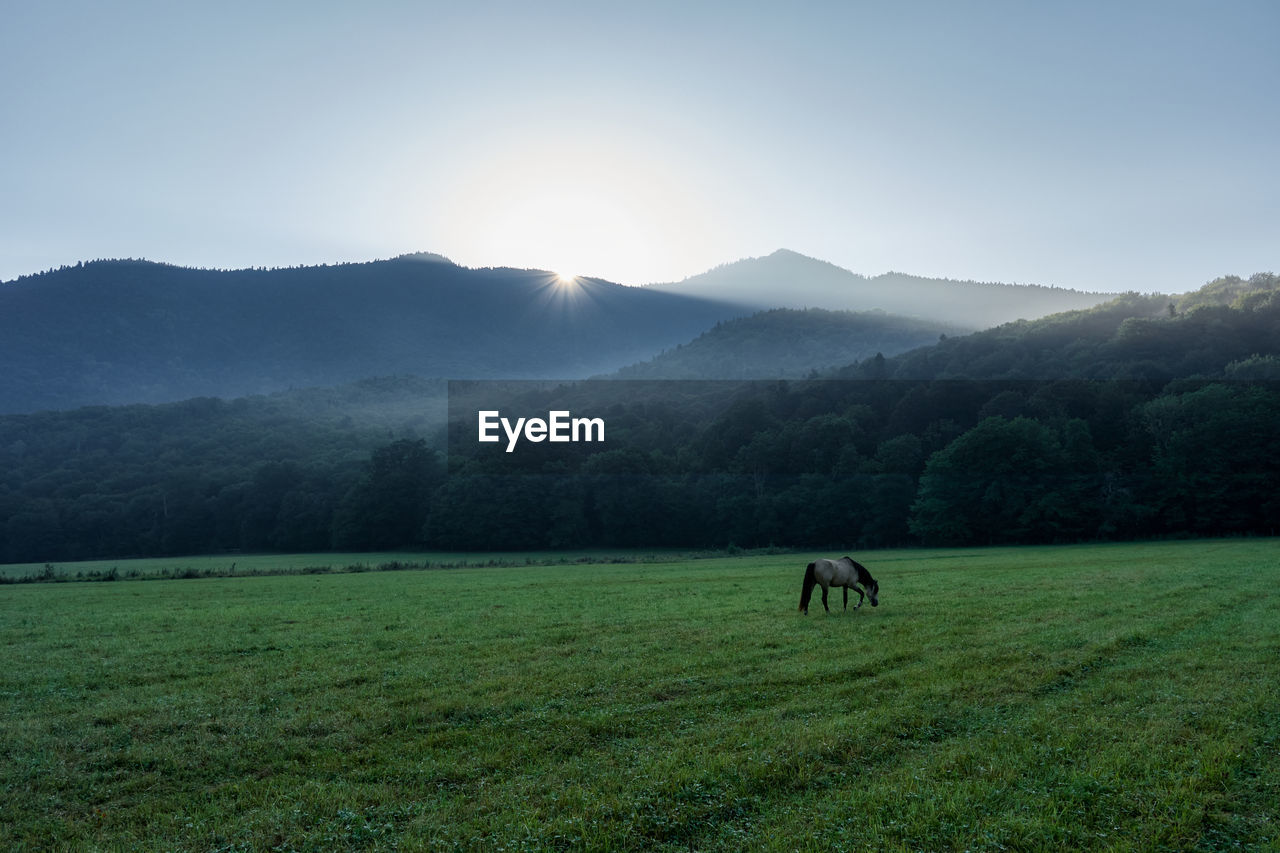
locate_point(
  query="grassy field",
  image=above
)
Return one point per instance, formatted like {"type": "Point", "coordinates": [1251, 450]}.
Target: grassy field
{"type": "Point", "coordinates": [1088, 697]}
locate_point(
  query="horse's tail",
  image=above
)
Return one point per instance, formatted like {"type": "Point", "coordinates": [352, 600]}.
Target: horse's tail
{"type": "Point", "coordinates": [810, 581]}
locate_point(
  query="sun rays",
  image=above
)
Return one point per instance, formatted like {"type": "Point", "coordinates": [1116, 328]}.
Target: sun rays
{"type": "Point", "coordinates": [559, 295]}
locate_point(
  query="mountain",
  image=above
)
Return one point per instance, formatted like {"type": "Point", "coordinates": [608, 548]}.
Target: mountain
{"type": "Point", "coordinates": [112, 332]}
{"type": "Point", "coordinates": [1228, 329]}
{"type": "Point", "coordinates": [749, 463]}
{"type": "Point", "coordinates": [788, 343]}
{"type": "Point", "coordinates": [786, 279]}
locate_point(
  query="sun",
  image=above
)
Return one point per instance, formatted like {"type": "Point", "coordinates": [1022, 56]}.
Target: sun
{"type": "Point", "coordinates": [566, 278]}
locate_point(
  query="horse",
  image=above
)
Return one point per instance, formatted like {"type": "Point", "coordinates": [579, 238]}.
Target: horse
{"type": "Point", "coordinates": [845, 572]}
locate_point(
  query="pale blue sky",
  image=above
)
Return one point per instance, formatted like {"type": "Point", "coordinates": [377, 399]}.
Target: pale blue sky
{"type": "Point", "coordinates": [1110, 145]}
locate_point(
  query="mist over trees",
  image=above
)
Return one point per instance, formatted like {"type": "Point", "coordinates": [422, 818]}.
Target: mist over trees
{"type": "Point", "coordinates": [789, 343]}
{"type": "Point", "coordinates": [1142, 417]}
{"type": "Point", "coordinates": [204, 475]}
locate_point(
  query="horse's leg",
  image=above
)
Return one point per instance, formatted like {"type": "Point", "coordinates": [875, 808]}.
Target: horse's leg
{"type": "Point", "coordinates": [846, 598]}
{"type": "Point", "coordinates": [858, 590]}
{"type": "Point", "coordinates": [824, 599]}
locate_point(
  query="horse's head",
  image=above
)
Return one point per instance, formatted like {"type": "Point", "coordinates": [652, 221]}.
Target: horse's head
{"type": "Point", "coordinates": [873, 592]}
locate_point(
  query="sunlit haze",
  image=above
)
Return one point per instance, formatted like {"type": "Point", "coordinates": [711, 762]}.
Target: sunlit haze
{"type": "Point", "coordinates": [1103, 146]}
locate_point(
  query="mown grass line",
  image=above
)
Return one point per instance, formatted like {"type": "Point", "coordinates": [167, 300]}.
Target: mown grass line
{"type": "Point", "coordinates": [1090, 697]}
{"type": "Point", "coordinates": [259, 565]}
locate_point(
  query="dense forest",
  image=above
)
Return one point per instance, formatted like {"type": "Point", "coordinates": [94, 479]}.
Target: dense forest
{"type": "Point", "coordinates": [257, 474]}
{"type": "Point", "coordinates": [1147, 416]}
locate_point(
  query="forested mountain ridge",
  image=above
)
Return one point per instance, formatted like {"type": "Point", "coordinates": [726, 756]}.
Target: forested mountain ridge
{"type": "Point", "coordinates": [786, 279]}
{"type": "Point", "coordinates": [110, 332]}
{"type": "Point", "coordinates": [1230, 328]}
{"type": "Point", "coordinates": [126, 331]}
{"type": "Point", "coordinates": [1080, 426]}
{"type": "Point", "coordinates": [1142, 417]}
{"type": "Point", "coordinates": [788, 343]}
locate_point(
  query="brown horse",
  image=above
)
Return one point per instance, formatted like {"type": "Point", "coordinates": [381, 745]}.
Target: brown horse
{"type": "Point", "coordinates": [845, 572]}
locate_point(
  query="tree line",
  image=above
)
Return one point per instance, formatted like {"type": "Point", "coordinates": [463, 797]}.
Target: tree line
{"type": "Point", "coordinates": [840, 463]}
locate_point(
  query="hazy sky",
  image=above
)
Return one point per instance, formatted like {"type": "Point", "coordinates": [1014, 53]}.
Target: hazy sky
{"type": "Point", "coordinates": [1111, 145]}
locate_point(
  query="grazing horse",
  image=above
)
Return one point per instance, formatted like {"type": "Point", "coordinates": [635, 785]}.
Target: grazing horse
{"type": "Point", "coordinates": [845, 572]}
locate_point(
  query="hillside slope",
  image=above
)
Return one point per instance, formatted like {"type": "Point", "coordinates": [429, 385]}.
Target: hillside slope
{"type": "Point", "coordinates": [788, 343]}
{"type": "Point", "coordinates": [1230, 328]}
{"type": "Point", "coordinates": [113, 332]}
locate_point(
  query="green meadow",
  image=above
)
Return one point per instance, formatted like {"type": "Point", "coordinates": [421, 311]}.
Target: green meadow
{"type": "Point", "coordinates": [1084, 697]}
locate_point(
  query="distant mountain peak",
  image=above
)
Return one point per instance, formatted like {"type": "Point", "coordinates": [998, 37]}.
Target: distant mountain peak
{"type": "Point", "coordinates": [785, 254]}
{"type": "Point", "coordinates": [426, 257]}
{"type": "Point", "coordinates": [789, 279]}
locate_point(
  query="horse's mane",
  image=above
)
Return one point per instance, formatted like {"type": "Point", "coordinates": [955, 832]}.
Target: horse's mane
{"type": "Point", "coordinates": [864, 576]}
